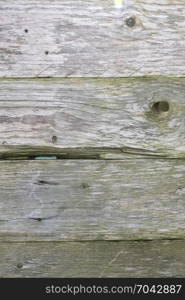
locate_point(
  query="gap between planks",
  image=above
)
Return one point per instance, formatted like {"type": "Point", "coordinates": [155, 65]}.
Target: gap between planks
{"type": "Point", "coordinates": [16, 152]}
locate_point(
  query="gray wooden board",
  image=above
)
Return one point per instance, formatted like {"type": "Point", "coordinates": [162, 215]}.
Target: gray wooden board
{"type": "Point", "coordinates": [93, 259]}
{"type": "Point", "coordinates": [89, 38]}
{"type": "Point", "coordinates": [50, 116]}
{"type": "Point", "coordinates": [74, 200]}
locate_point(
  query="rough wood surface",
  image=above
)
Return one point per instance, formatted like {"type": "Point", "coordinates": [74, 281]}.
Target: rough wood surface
{"type": "Point", "coordinates": [91, 38]}
{"type": "Point", "coordinates": [48, 208]}
{"type": "Point", "coordinates": [77, 200]}
{"type": "Point", "coordinates": [55, 116]}
{"type": "Point", "coordinates": [93, 259]}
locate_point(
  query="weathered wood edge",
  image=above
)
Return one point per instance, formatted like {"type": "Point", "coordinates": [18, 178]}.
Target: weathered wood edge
{"type": "Point", "coordinates": [93, 259]}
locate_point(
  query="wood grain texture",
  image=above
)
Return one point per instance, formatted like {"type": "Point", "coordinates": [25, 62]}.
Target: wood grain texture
{"type": "Point", "coordinates": [89, 38]}
{"type": "Point", "coordinates": [103, 118]}
{"type": "Point", "coordinates": [75, 200]}
{"type": "Point", "coordinates": [93, 259]}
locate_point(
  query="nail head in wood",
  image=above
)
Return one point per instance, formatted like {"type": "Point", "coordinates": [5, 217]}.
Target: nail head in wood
{"type": "Point", "coordinates": [19, 266]}
{"type": "Point", "coordinates": [54, 139]}
{"type": "Point", "coordinates": [131, 21]}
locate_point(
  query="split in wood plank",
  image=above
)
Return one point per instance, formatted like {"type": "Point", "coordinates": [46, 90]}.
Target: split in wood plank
{"type": "Point", "coordinates": [92, 118]}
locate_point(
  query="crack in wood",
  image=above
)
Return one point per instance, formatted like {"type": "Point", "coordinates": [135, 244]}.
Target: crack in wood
{"type": "Point", "coordinates": [41, 182]}
{"type": "Point", "coordinates": [45, 152]}
{"type": "Point", "coordinates": [43, 218]}
{"type": "Point", "coordinates": [110, 263]}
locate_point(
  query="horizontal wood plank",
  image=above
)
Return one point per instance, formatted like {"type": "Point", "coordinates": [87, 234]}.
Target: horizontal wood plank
{"type": "Point", "coordinates": [93, 259]}
{"type": "Point", "coordinates": [75, 200]}
{"type": "Point", "coordinates": [117, 116]}
{"type": "Point", "coordinates": [89, 38]}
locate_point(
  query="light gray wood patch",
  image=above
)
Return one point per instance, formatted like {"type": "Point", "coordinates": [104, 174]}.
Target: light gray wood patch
{"type": "Point", "coordinates": [89, 38]}
{"type": "Point", "coordinates": [75, 200]}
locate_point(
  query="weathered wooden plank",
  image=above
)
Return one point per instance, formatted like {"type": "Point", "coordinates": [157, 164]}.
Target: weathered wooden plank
{"type": "Point", "coordinates": [93, 259]}
{"type": "Point", "coordinates": [55, 116]}
{"type": "Point", "coordinates": [92, 200]}
{"type": "Point", "coordinates": [91, 38]}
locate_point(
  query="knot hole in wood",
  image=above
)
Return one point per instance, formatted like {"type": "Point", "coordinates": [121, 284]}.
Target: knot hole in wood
{"type": "Point", "coordinates": [160, 107]}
